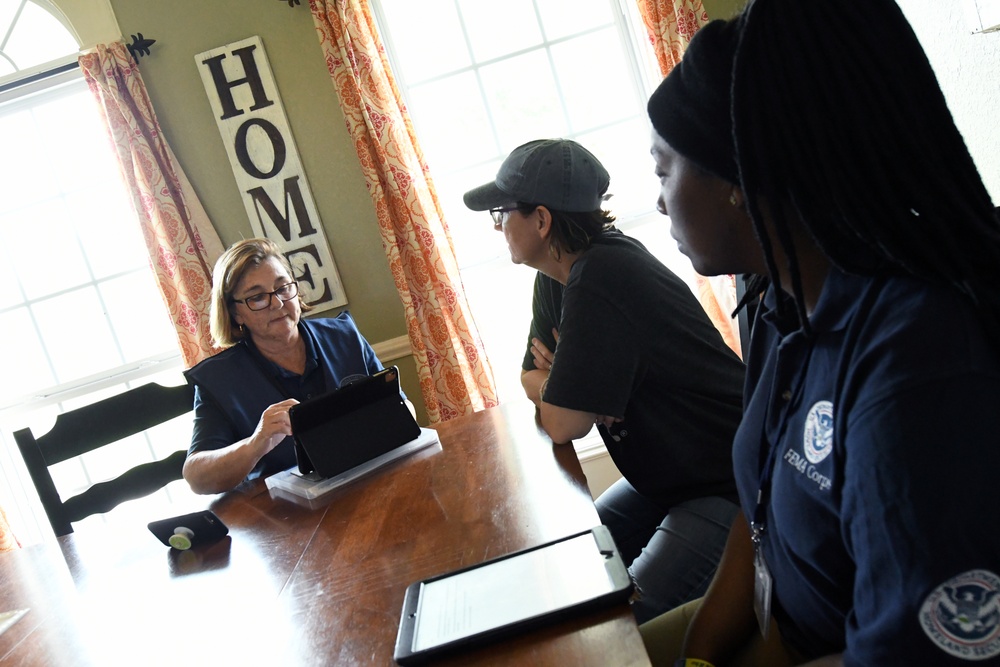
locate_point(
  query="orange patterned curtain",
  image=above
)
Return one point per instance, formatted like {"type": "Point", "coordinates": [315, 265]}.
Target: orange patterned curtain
{"type": "Point", "coordinates": [7, 540]}
{"type": "Point", "coordinates": [181, 241]}
{"type": "Point", "coordinates": [455, 376]}
{"type": "Point", "coordinates": [671, 25]}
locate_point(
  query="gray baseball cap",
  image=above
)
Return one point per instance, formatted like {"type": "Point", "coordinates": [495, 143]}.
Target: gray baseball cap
{"type": "Point", "coordinates": [558, 173]}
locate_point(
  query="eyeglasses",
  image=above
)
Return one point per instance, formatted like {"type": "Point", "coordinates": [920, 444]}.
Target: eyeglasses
{"type": "Point", "coordinates": [500, 213]}
{"type": "Point", "coordinates": [262, 301]}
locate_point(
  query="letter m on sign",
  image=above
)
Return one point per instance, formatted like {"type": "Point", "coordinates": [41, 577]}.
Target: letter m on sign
{"type": "Point", "coordinates": [266, 164]}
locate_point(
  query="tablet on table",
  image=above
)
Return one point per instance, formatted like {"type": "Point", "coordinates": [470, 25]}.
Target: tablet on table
{"type": "Point", "coordinates": [511, 594]}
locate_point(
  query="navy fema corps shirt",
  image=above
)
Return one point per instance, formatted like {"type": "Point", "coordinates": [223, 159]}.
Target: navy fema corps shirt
{"type": "Point", "coordinates": [883, 535]}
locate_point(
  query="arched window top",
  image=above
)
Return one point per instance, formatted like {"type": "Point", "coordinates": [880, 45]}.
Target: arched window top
{"type": "Point", "coordinates": [32, 32]}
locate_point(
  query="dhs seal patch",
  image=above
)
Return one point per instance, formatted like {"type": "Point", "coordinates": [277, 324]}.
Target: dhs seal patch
{"type": "Point", "coordinates": [817, 440]}
{"type": "Point", "coordinates": [962, 615]}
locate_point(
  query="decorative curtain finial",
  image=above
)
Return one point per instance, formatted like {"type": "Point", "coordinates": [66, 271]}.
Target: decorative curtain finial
{"type": "Point", "coordinates": [139, 46]}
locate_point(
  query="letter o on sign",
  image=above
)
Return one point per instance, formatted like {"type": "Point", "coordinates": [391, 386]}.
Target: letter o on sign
{"type": "Point", "coordinates": [277, 144]}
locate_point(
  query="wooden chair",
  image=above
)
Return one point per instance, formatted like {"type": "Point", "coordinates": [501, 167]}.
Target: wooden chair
{"type": "Point", "coordinates": [92, 427]}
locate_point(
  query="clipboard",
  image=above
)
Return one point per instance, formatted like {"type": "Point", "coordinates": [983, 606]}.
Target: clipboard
{"type": "Point", "coordinates": [510, 595]}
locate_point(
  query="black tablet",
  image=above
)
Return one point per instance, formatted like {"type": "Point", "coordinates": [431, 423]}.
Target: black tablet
{"type": "Point", "coordinates": [351, 425]}
{"type": "Point", "coordinates": [510, 594]}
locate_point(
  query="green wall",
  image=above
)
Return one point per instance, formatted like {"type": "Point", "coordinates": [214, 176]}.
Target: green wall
{"type": "Point", "coordinates": [184, 28]}
{"type": "Point", "coordinates": [723, 9]}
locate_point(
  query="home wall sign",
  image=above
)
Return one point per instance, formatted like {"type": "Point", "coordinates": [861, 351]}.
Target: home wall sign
{"type": "Point", "coordinates": [266, 164]}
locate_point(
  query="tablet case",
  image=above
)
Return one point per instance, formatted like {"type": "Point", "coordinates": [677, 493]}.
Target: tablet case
{"type": "Point", "coordinates": [352, 425]}
{"type": "Point", "coordinates": [405, 654]}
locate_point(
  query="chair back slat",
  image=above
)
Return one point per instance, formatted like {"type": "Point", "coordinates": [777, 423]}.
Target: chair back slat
{"type": "Point", "coordinates": [137, 482]}
{"type": "Point", "coordinates": [98, 424]}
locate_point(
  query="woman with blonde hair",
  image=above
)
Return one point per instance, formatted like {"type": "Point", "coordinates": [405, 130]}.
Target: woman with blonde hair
{"type": "Point", "coordinates": [274, 359]}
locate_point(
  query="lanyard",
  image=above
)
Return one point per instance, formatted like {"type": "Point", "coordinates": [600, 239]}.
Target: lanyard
{"type": "Point", "coordinates": [758, 523]}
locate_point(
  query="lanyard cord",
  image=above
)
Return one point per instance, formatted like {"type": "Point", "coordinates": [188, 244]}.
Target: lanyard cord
{"type": "Point", "coordinates": [758, 523]}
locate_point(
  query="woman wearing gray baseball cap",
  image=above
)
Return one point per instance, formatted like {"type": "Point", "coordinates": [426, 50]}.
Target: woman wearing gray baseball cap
{"type": "Point", "coordinates": [636, 355]}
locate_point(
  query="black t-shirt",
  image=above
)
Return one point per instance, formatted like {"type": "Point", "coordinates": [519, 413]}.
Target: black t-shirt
{"type": "Point", "coordinates": [546, 308]}
{"type": "Point", "coordinates": [634, 342]}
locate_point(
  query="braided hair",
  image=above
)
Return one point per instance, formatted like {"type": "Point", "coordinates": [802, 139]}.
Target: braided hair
{"type": "Point", "coordinates": [838, 116]}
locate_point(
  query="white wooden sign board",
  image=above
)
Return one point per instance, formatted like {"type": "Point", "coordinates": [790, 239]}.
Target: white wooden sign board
{"type": "Point", "coordinates": [266, 164]}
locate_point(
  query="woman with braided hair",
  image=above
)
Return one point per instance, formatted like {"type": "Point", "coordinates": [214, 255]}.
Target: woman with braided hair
{"type": "Point", "coordinates": [808, 142]}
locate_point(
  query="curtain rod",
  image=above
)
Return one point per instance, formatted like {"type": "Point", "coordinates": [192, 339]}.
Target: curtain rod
{"type": "Point", "coordinates": [39, 76]}
{"type": "Point", "coordinates": [138, 48]}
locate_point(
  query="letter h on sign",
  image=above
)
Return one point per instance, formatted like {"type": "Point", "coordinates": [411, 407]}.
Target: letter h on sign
{"type": "Point", "coordinates": [266, 164]}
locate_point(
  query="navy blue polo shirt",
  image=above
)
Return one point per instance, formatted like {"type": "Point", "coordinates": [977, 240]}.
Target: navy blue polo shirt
{"type": "Point", "coordinates": [881, 528]}
{"type": "Point", "coordinates": [234, 387]}
{"type": "Point", "coordinates": [300, 387]}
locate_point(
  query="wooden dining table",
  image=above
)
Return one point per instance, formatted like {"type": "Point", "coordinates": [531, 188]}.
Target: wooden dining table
{"type": "Point", "coordinates": [317, 582]}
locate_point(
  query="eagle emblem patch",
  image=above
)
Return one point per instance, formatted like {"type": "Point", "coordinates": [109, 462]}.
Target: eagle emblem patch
{"type": "Point", "coordinates": [962, 615]}
{"type": "Point", "coordinates": [817, 440]}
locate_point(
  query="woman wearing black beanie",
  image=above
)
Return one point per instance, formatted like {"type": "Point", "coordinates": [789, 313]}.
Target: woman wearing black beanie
{"type": "Point", "coordinates": [810, 143]}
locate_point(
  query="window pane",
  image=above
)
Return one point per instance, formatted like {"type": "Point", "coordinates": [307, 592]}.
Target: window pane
{"type": "Point", "coordinates": [38, 38]}
{"type": "Point", "coordinates": [623, 149]}
{"type": "Point", "coordinates": [500, 299]}
{"type": "Point", "coordinates": [524, 100]}
{"type": "Point", "coordinates": [109, 233]}
{"type": "Point", "coordinates": [76, 334]}
{"type": "Point", "coordinates": [70, 477]}
{"type": "Point", "coordinates": [19, 137]}
{"type": "Point", "coordinates": [112, 460]}
{"type": "Point", "coordinates": [595, 80]}
{"type": "Point", "coordinates": [561, 18]}
{"type": "Point", "coordinates": [475, 239]}
{"type": "Point", "coordinates": [138, 315]}
{"type": "Point", "coordinates": [498, 28]}
{"type": "Point", "coordinates": [8, 9]}
{"type": "Point", "coordinates": [69, 127]}
{"type": "Point", "coordinates": [654, 233]}
{"type": "Point", "coordinates": [420, 54]}
{"type": "Point", "coordinates": [45, 239]}
{"type": "Point", "coordinates": [168, 437]}
{"type": "Point", "coordinates": [12, 294]}
{"type": "Point", "coordinates": [452, 107]}
{"type": "Point", "coordinates": [24, 368]}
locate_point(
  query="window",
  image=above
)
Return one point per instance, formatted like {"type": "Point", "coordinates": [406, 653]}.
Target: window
{"type": "Point", "coordinates": [80, 315]}
{"type": "Point", "coordinates": [30, 34]}
{"type": "Point", "coordinates": [480, 79]}
{"type": "Point", "coordinates": [79, 298]}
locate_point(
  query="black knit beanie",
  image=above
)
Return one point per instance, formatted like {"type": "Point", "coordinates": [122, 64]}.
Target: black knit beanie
{"type": "Point", "coordinates": [690, 108]}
